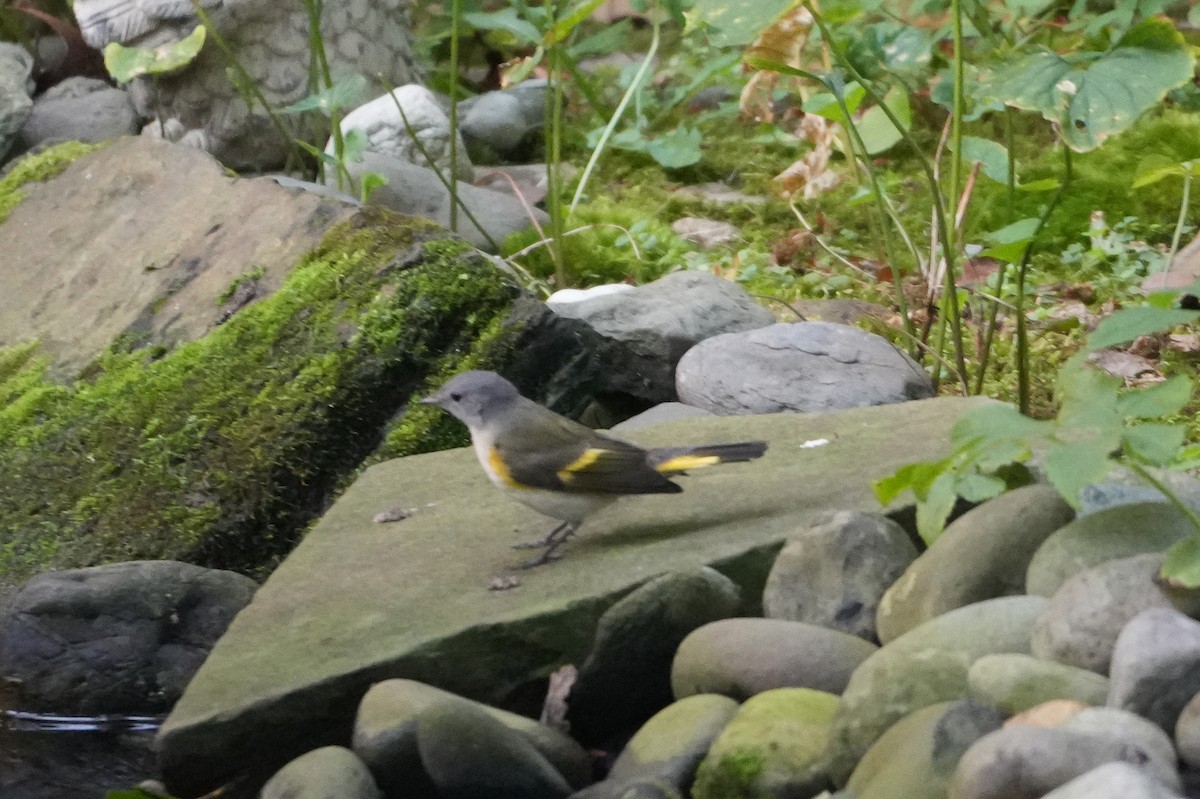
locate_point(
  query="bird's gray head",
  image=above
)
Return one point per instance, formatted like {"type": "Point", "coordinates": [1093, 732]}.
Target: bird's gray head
{"type": "Point", "coordinates": [470, 395]}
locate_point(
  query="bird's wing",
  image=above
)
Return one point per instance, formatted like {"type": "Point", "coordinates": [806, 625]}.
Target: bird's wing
{"type": "Point", "coordinates": [566, 456]}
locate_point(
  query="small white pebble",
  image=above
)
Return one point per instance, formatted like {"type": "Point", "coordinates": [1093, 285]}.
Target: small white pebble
{"type": "Point", "coordinates": [814, 443]}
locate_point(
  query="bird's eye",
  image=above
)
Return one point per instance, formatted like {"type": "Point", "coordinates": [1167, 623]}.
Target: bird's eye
{"type": "Point", "coordinates": [454, 395]}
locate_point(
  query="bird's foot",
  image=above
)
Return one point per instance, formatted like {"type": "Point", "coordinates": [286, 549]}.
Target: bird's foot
{"type": "Point", "coordinates": [550, 539]}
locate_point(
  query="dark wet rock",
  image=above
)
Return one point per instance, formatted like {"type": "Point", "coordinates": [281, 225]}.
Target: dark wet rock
{"type": "Point", "coordinates": [79, 109]}
{"type": "Point", "coordinates": [1089, 610]}
{"type": "Point", "coordinates": [627, 677]}
{"type": "Point", "coordinates": [1155, 666]}
{"type": "Point", "coordinates": [658, 322]}
{"type": "Point", "coordinates": [1118, 532]}
{"type": "Point", "coordinates": [1025, 762]}
{"type": "Point", "coordinates": [124, 638]}
{"type": "Point", "coordinates": [916, 757]}
{"type": "Point", "coordinates": [1015, 683]}
{"type": "Point", "coordinates": [468, 754]}
{"type": "Point", "coordinates": [386, 729]}
{"type": "Point", "coordinates": [981, 555]}
{"type": "Point", "coordinates": [804, 366]}
{"type": "Point", "coordinates": [834, 573]}
{"type": "Point", "coordinates": [667, 750]}
{"type": "Point", "coordinates": [926, 665]}
{"type": "Point", "coordinates": [331, 772]}
{"type": "Point", "coordinates": [498, 125]}
{"type": "Point", "coordinates": [744, 657]}
{"type": "Point", "coordinates": [783, 733]}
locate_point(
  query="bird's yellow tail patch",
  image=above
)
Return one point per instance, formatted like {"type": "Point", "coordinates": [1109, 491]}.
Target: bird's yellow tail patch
{"type": "Point", "coordinates": [682, 463]}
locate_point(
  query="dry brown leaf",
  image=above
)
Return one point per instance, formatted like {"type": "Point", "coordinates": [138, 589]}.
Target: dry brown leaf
{"type": "Point", "coordinates": [811, 175]}
{"type": "Point", "coordinates": [1184, 342]}
{"type": "Point", "coordinates": [1126, 365]}
{"type": "Point", "coordinates": [783, 41]}
{"type": "Point", "coordinates": [554, 708]}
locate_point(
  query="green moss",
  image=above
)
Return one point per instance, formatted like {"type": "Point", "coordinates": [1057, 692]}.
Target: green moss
{"type": "Point", "coordinates": [731, 775]}
{"type": "Point", "coordinates": [40, 167]}
{"type": "Point", "coordinates": [220, 450]}
{"type": "Point", "coordinates": [249, 277]}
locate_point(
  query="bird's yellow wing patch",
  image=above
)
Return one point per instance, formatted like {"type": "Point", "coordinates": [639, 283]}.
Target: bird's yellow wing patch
{"type": "Point", "coordinates": [580, 464]}
{"type": "Point", "coordinates": [685, 462]}
{"type": "Point", "coordinates": [500, 471]}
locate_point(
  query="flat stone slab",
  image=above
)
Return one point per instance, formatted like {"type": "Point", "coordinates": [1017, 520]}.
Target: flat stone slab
{"type": "Point", "coordinates": [359, 601]}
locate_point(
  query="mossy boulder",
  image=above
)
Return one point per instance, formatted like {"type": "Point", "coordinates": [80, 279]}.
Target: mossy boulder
{"type": "Point", "coordinates": [210, 422]}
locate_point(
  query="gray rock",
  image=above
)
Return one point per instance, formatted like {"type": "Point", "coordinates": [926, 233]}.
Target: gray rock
{"type": "Point", "coordinates": [1118, 532]}
{"type": "Point", "coordinates": [412, 599]}
{"type": "Point", "coordinates": [670, 746]}
{"type": "Point", "coordinates": [705, 233]}
{"type": "Point", "coordinates": [468, 754]}
{"type": "Point", "coordinates": [834, 573]}
{"type": "Point", "coordinates": [124, 638]}
{"type": "Point", "coordinates": [1155, 667]}
{"type": "Point", "coordinates": [1015, 683]}
{"type": "Point", "coordinates": [744, 657]}
{"type": "Point", "coordinates": [16, 88]}
{"type": "Point", "coordinates": [380, 120]}
{"type": "Point", "coordinates": [495, 123]}
{"type": "Point", "coordinates": [924, 666]}
{"type": "Point", "coordinates": [983, 554]}
{"type": "Point", "coordinates": [331, 772]}
{"type": "Point", "coordinates": [916, 757]}
{"type": "Point", "coordinates": [1187, 733]}
{"type": "Point", "coordinates": [784, 733]}
{"type": "Point", "coordinates": [1026, 762]}
{"type": "Point", "coordinates": [201, 107]}
{"type": "Point", "coordinates": [660, 413]}
{"type": "Point", "coordinates": [79, 109]}
{"type": "Point", "coordinates": [1086, 614]}
{"type": "Point", "coordinates": [660, 321]}
{"type": "Point", "coordinates": [805, 366]}
{"type": "Point", "coordinates": [627, 677]}
{"type": "Point", "coordinates": [416, 190]}
{"type": "Point", "coordinates": [385, 736]}
{"type": "Point", "coordinates": [1115, 780]}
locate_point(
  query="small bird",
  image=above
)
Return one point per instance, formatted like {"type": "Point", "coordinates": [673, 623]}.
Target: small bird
{"type": "Point", "coordinates": [559, 467]}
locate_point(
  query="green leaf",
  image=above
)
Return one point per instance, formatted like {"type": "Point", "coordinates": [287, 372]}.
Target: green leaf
{"type": "Point", "coordinates": [1128, 323]}
{"type": "Point", "coordinates": [1072, 467]}
{"type": "Point", "coordinates": [127, 63]}
{"type": "Point", "coordinates": [734, 24]}
{"type": "Point", "coordinates": [876, 130]}
{"type": "Point", "coordinates": [771, 65]}
{"type": "Point", "coordinates": [1045, 184]}
{"type": "Point", "coordinates": [996, 422]}
{"type": "Point", "coordinates": [608, 39]}
{"type": "Point", "coordinates": [1162, 399]}
{"type": "Point", "coordinates": [991, 155]}
{"type": "Point", "coordinates": [677, 148]}
{"type": "Point", "coordinates": [1019, 232]}
{"type": "Point", "coordinates": [344, 93]}
{"type": "Point", "coordinates": [1158, 167]}
{"type": "Point", "coordinates": [1092, 96]}
{"type": "Point", "coordinates": [934, 509]}
{"type": "Point", "coordinates": [567, 24]}
{"type": "Point", "coordinates": [506, 20]}
{"type": "Point", "coordinates": [1181, 566]}
{"type": "Point", "coordinates": [826, 104]}
{"type": "Point", "coordinates": [1154, 443]}
{"type": "Point", "coordinates": [892, 48]}
{"type": "Point", "coordinates": [978, 487]}
{"type": "Point", "coordinates": [915, 477]}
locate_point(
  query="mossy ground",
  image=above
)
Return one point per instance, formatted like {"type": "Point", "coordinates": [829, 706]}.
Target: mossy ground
{"type": "Point", "coordinates": [220, 450]}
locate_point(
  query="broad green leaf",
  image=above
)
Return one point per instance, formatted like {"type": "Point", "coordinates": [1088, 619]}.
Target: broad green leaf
{"type": "Point", "coordinates": [1129, 323]}
{"type": "Point", "coordinates": [890, 48]}
{"type": "Point", "coordinates": [568, 23]}
{"type": "Point", "coordinates": [676, 148]}
{"type": "Point", "coordinates": [1158, 167]}
{"type": "Point", "coordinates": [990, 155]}
{"type": "Point", "coordinates": [345, 92]}
{"type": "Point", "coordinates": [1163, 399]}
{"type": "Point", "coordinates": [978, 487]}
{"type": "Point", "coordinates": [977, 104]}
{"type": "Point", "coordinates": [1181, 566]}
{"type": "Point", "coordinates": [1018, 232]}
{"type": "Point", "coordinates": [1154, 443]}
{"type": "Point", "coordinates": [826, 104]}
{"type": "Point", "coordinates": [1004, 453]}
{"type": "Point", "coordinates": [1092, 96]}
{"type": "Point", "coordinates": [506, 20]}
{"type": "Point", "coordinates": [876, 130]}
{"type": "Point", "coordinates": [1089, 401]}
{"type": "Point", "coordinates": [737, 23]}
{"type": "Point", "coordinates": [996, 422]}
{"type": "Point", "coordinates": [1045, 184]}
{"type": "Point", "coordinates": [608, 39]}
{"type": "Point", "coordinates": [127, 63]}
{"type": "Point", "coordinates": [915, 477]}
{"type": "Point", "coordinates": [1071, 467]}
{"type": "Point", "coordinates": [934, 508]}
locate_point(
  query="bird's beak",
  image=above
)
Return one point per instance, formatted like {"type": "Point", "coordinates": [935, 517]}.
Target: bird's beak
{"type": "Point", "coordinates": [432, 399]}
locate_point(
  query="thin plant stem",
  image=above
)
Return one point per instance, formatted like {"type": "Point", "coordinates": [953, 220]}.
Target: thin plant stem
{"type": "Point", "coordinates": [452, 187]}
{"type": "Point", "coordinates": [634, 87]}
{"type": "Point", "coordinates": [1183, 209]}
{"type": "Point", "coordinates": [554, 122]}
{"type": "Point", "coordinates": [1162, 487]}
{"type": "Point", "coordinates": [993, 316]}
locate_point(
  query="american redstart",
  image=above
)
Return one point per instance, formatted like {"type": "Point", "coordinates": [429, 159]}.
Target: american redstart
{"type": "Point", "coordinates": [557, 466]}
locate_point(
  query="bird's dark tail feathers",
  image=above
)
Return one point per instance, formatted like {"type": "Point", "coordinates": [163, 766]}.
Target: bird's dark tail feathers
{"type": "Point", "coordinates": [673, 460]}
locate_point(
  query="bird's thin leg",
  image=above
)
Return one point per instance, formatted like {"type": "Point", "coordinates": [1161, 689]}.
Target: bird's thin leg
{"type": "Point", "coordinates": [548, 554]}
{"type": "Point", "coordinates": [549, 539]}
